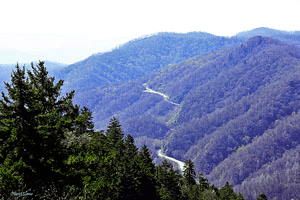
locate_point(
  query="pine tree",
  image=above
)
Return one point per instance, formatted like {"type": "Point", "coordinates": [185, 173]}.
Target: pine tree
{"type": "Point", "coordinates": [106, 181]}
{"type": "Point", "coordinates": [114, 169]}
{"type": "Point", "coordinates": [147, 172]}
{"type": "Point", "coordinates": [203, 182]}
{"type": "Point", "coordinates": [146, 161]}
{"type": "Point", "coordinates": [12, 125]}
{"type": "Point", "coordinates": [93, 166]}
{"type": "Point", "coordinates": [189, 173]}
{"type": "Point", "coordinates": [240, 197]}
{"type": "Point", "coordinates": [262, 196]}
{"type": "Point", "coordinates": [190, 189]}
{"type": "Point", "coordinates": [130, 176]}
{"type": "Point", "coordinates": [114, 133]}
{"type": "Point", "coordinates": [227, 193]}
{"type": "Point", "coordinates": [169, 181]}
{"type": "Point", "coordinates": [34, 120]}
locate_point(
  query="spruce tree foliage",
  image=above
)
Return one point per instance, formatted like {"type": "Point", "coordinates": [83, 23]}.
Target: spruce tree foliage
{"type": "Point", "coordinates": [240, 197]}
{"type": "Point", "coordinates": [227, 193]}
{"type": "Point", "coordinates": [113, 168]}
{"type": "Point", "coordinates": [147, 172]}
{"type": "Point", "coordinates": [190, 190]}
{"type": "Point", "coordinates": [203, 182]}
{"type": "Point", "coordinates": [114, 133]}
{"type": "Point", "coordinates": [262, 196]}
{"type": "Point", "coordinates": [33, 121]}
{"type": "Point", "coordinates": [189, 173]}
{"type": "Point", "coordinates": [169, 182]}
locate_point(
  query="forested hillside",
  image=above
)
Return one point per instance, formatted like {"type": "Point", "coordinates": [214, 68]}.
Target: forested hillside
{"type": "Point", "coordinates": [248, 99]}
{"type": "Point", "coordinates": [136, 59]}
{"type": "Point", "coordinates": [224, 104]}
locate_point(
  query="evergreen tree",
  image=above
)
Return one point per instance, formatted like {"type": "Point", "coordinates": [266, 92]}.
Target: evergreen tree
{"type": "Point", "coordinates": [209, 195]}
{"type": "Point", "coordinates": [189, 173]}
{"type": "Point", "coordinates": [203, 182]}
{"type": "Point", "coordinates": [115, 168]}
{"type": "Point", "coordinates": [147, 171]}
{"type": "Point", "coordinates": [114, 133]}
{"type": "Point", "coordinates": [227, 193]}
{"type": "Point", "coordinates": [34, 120]}
{"type": "Point", "coordinates": [130, 177]}
{"type": "Point", "coordinates": [111, 165]}
{"type": "Point", "coordinates": [240, 197]}
{"type": "Point", "coordinates": [190, 190]}
{"type": "Point", "coordinates": [214, 189]}
{"type": "Point", "coordinates": [94, 168]}
{"type": "Point", "coordinates": [169, 182]}
{"type": "Point", "coordinates": [262, 196]}
{"type": "Point", "coordinates": [146, 160]}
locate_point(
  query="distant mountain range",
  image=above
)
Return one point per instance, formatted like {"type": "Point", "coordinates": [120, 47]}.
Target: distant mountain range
{"type": "Point", "coordinates": [229, 104]}
{"type": "Point", "coordinates": [142, 56]}
{"type": "Point", "coordinates": [288, 37]}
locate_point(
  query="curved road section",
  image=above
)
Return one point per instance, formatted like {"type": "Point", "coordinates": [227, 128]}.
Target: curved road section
{"type": "Point", "coordinates": [166, 97]}
{"type": "Point", "coordinates": [159, 152]}
{"type": "Point", "coordinates": [179, 163]}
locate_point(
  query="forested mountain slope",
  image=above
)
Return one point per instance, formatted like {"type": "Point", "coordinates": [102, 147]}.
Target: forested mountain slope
{"type": "Point", "coordinates": [235, 112]}
{"type": "Point", "coordinates": [241, 114]}
{"type": "Point", "coordinates": [138, 58]}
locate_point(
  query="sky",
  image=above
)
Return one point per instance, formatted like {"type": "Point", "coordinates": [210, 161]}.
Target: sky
{"type": "Point", "coordinates": [68, 31]}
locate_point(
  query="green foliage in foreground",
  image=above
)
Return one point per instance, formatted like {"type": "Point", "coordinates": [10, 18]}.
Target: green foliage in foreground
{"type": "Point", "coordinates": [49, 150]}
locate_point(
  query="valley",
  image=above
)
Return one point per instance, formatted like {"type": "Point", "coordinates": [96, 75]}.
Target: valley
{"type": "Point", "coordinates": [230, 104]}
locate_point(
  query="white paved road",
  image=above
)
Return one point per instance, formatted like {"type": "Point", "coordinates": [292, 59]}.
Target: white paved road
{"type": "Point", "coordinates": [166, 97]}
{"type": "Point", "coordinates": [179, 163]}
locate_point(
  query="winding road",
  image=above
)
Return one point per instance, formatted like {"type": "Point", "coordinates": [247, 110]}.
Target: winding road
{"type": "Point", "coordinates": [179, 163]}
{"type": "Point", "coordinates": [159, 152]}
{"type": "Point", "coordinates": [166, 97]}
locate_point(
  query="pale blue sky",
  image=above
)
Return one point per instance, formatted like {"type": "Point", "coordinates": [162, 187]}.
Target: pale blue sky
{"type": "Point", "coordinates": [68, 30]}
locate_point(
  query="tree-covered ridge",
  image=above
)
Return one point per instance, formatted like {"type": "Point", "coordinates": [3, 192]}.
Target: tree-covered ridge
{"type": "Point", "coordinates": [230, 112]}
{"type": "Point", "coordinates": [227, 100]}
{"type": "Point", "coordinates": [142, 56]}
{"type": "Point", "coordinates": [137, 59]}
{"type": "Point", "coordinates": [49, 150]}
{"type": "Point", "coordinates": [291, 37]}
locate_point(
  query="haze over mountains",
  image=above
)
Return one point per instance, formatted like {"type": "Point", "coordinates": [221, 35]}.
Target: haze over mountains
{"type": "Point", "coordinates": [229, 104]}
